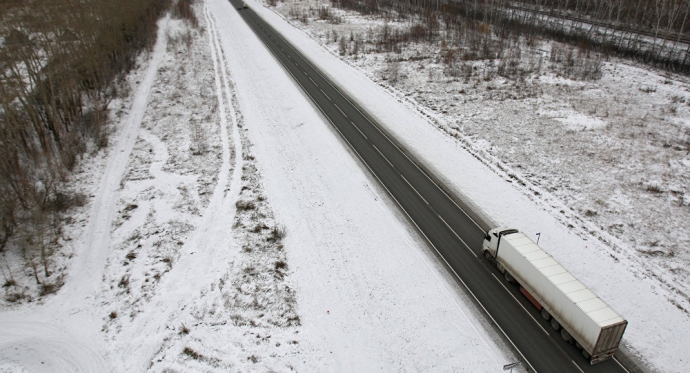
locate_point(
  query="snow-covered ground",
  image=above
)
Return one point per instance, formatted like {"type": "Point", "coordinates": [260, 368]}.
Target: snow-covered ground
{"type": "Point", "coordinates": [599, 168]}
{"type": "Point", "coordinates": [230, 228]}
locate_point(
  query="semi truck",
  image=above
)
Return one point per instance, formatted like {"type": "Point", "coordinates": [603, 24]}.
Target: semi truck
{"type": "Point", "coordinates": [573, 309]}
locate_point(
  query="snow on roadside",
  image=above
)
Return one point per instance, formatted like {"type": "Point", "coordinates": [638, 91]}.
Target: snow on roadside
{"type": "Point", "coordinates": [646, 285]}
{"type": "Point", "coordinates": [62, 333]}
{"type": "Point", "coordinates": [192, 261]}
{"type": "Point", "coordinates": [197, 272]}
{"type": "Point", "coordinates": [371, 296]}
{"type": "Point", "coordinates": [199, 279]}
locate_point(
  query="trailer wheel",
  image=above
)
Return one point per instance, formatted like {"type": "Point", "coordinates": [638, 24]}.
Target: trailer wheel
{"type": "Point", "coordinates": [586, 354]}
{"type": "Point", "coordinates": [555, 325]}
{"type": "Point", "coordinates": [509, 278]}
{"type": "Point", "coordinates": [566, 336]}
{"type": "Point", "coordinates": [578, 345]}
{"type": "Point", "coordinates": [545, 314]}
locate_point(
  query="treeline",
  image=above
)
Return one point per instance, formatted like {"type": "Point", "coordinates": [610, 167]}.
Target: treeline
{"type": "Point", "coordinates": [660, 17]}
{"type": "Point", "coordinates": [59, 64]}
{"type": "Point", "coordinates": [652, 31]}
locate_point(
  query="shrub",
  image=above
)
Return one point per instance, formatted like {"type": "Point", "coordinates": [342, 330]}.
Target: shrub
{"type": "Point", "coordinates": [277, 233]}
{"type": "Point", "coordinates": [245, 205]}
{"type": "Point", "coordinates": [191, 353]}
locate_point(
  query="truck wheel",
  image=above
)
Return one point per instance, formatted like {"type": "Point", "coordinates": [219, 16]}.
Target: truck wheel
{"type": "Point", "coordinates": [566, 336]}
{"type": "Point", "coordinates": [488, 256]}
{"type": "Point", "coordinates": [578, 345]}
{"type": "Point", "coordinates": [586, 354]}
{"type": "Point", "coordinates": [555, 325]}
{"type": "Point", "coordinates": [545, 314]}
{"type": "Point", "coordinates": [509, 278]}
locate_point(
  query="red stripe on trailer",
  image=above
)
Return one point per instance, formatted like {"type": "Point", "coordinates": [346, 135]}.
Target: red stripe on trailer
{"type": "Point", "coordinates": [531, 298]}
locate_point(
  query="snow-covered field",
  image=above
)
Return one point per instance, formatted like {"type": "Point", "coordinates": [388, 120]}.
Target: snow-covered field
{"type": "Point", "coordinates": [613, 154]}
{"type": "Point", "coordinates": [229, 228]}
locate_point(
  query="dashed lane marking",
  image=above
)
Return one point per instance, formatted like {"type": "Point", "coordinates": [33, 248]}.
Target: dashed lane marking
{"type": "Point", "coordinates": [416, 225]}
{"type": "Point", "coordinates": [341, 112]}
{"type": "Point", "coordinates": [413, 188]}
{"type": "Point", "coordinates": [456, 235]}
{"type": "Point", "coordinates": [360, 131]}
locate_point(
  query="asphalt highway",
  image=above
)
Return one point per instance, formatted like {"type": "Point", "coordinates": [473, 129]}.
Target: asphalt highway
{"type": "Point", "coordinates": [455, 236]}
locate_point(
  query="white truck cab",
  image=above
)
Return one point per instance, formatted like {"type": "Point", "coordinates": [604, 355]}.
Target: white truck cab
{"type": "Point", "coordinates": [492, 241]}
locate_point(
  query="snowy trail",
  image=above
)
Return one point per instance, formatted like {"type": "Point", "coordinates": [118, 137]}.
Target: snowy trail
{"type": "Point", "coordinates": [97, 237]}
{"type": "Point", "coordinates": [206, 255]}
{"type": "Point", "coordinates": [62, 335]}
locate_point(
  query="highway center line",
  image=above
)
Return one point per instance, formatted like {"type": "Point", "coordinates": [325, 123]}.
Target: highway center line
{"type": "Point", "coordinates": [415, 190]}
{"type": "Point", "coordinates": [392, 142]}
{"type": "Point", "coordinates": [518, 302]}
{"type": "Point", "coordinates": [417, 226]}
{"type": "Point", "coordinates": [378, 129]}
{"type": "Point", "coordinates": [414, 223]}
{"type": "Point", "coordinates": [456, 235]}
{"type": "Point", "coordinates": [416, 165]}
{"type": "Point", "coordinates": [324, 93]}
{"type": "Point", "coordinates": [360, 131]}
{"type": "Point", "coordinates": [312, 80]}
{"type": "Point", "coordinates": [384, 157]}
{"type": "Point", "coordinates": [338, 107]}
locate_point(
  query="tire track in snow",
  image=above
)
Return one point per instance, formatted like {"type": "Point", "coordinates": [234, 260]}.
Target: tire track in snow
{"type": "Point", "coordinates": [43, 340]}
{"type": "Point", "coordinates": [203, 258]}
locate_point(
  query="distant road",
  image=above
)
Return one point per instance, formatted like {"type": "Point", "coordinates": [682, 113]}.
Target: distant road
{"type": "Point", "coordinates": [448, 229]}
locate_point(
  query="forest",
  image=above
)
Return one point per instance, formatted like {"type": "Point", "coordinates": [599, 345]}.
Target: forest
{"type": "Point", "coordinates": [61, 64]}
{"type": "Point", "coordinates": [650, 31]}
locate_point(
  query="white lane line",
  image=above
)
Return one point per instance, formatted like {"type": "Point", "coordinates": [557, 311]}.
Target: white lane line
{"type": "Point", "coordinates": [341, 111]}
{"type": "Point", "coordinates": [312, 80]}
{"type": "Point", "coordinates": [415, 164]}
{"type": "Point", "coordinates": [386, 136]}
{"type": "Point", "coordinates": [360, 131]}
{"type": "Point", "coordinates": [378, 129]}
{"type": "Point", "coordinates": [412, 220]}
{"type": "Point", "coordinates": [518, 302]}
{"type": "Point", "coordinates": [456, 235]}
{"type": "Point", "coordinates": [621, 365]}
{"type": "Point", "coordinates": [578, 367]}
{"type": "Point", "coordinates": [413, 188]}
{"type": "Point", "coordinates": [324, 93]}
{"type": "Point", "coordinates": [384, 157]}
{"type": "Point", "coordinates": [421, 231]}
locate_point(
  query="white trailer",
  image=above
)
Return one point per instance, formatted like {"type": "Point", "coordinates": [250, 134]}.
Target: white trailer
{"type": "Point", "coordinates": [581, 316]}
